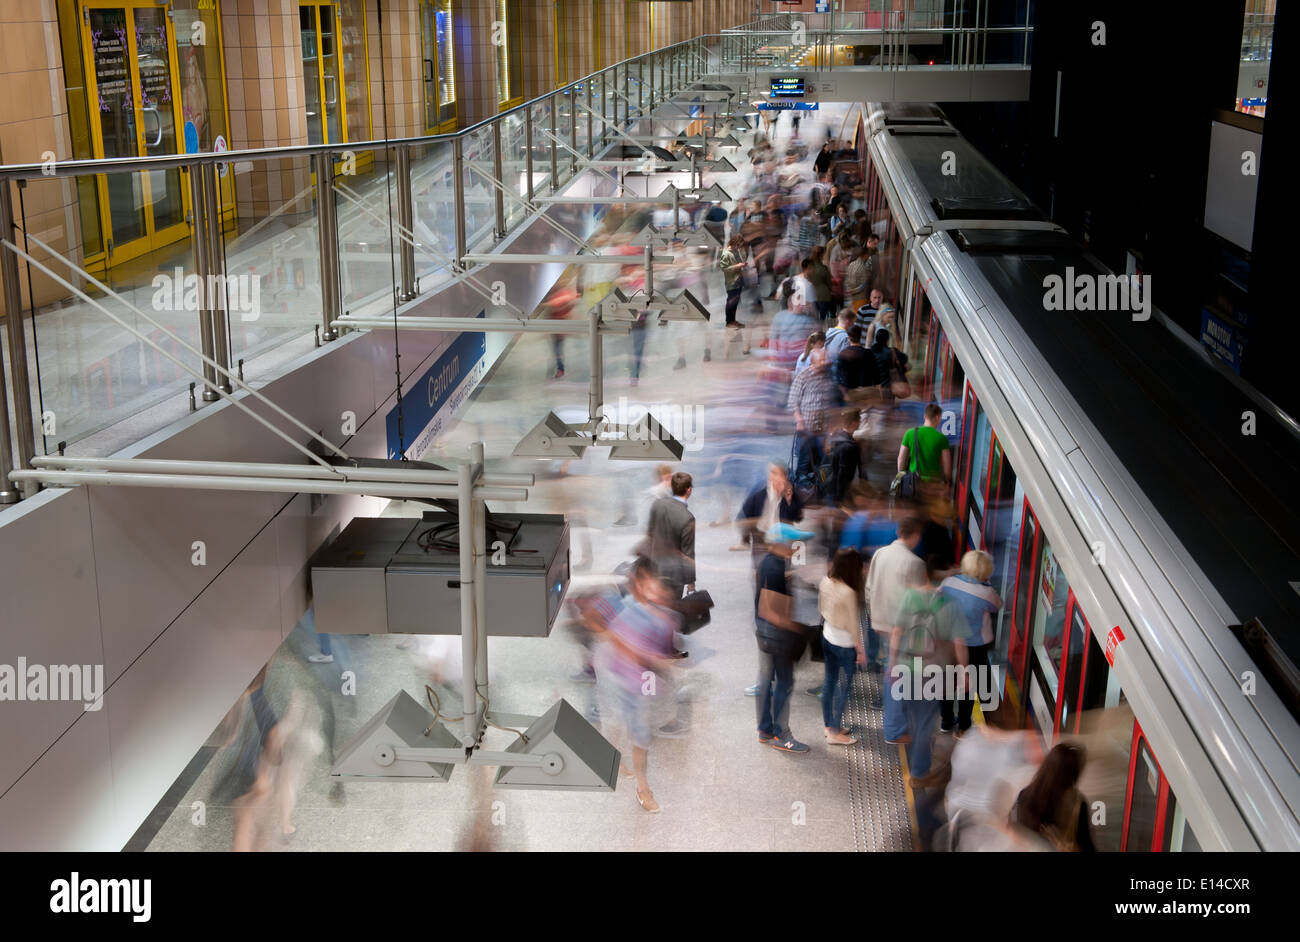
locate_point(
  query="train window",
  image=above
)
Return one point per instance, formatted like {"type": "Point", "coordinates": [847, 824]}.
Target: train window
{"type": "Point", "coordinates": [1005, 525]}
{"type": "Point", "coordinates": [1076, 650]}
{"type": "Point", "coordinates": [1180, 838]}
{"type": "Point", "coordinates": [1145, 784]}
{"type": "Point", "coordinates": [980, 458]}
{"type": "Point", "coordinates": [1049, 622]}
{"type": "Point", "coordinates": [1024, 580]}
{"type": "Point", "coordinates": [957, 379]}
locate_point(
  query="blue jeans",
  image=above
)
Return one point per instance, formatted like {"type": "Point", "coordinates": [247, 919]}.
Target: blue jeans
{"type": "Point", "coordinates": [774, 698]}
{"type": "Point", "coordinates": [638, 349]}
{"type": "Point", "coordinates": [922, 717]}
{"type": "Point", "coordinates": [840, 664]}
{"type": "Point", "coordinates": [895, 721]}
{"type": "Point", "coordinates": [808, 455]}
{"type": "Point", "coordinates": [325, 647]}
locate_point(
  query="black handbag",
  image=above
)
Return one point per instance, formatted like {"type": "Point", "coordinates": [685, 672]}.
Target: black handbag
{"type": "Point", "coordinates": [695, 611]}
{"type": "Point", "coordinates": [779, 642]}
{"type": "Point", "coordinates": [906, 483]}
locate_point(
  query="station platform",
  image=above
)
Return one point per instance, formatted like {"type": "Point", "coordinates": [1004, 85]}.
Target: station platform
{"type": "Point", "coordinates": [719, 788]}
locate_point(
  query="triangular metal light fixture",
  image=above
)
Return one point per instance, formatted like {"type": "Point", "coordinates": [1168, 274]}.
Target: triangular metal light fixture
{"type": "Point", "coordinates": [550, 438]}
{"type": "Point", "coordinates": [647, 440]}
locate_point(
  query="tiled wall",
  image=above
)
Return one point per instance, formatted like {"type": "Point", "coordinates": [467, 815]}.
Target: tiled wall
{"type": "Point", "coordinates": [402, 69]}
{"type": "Point", "coordinates": [264, 83]}
{"type": "Point", "coordinates": [34, 120]}
{"type": "Point", "coordinates": [476, 75]}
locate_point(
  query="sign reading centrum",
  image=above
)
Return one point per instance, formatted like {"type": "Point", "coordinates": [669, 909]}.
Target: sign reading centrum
{"type": "Point", "coordinates": [432, 399]}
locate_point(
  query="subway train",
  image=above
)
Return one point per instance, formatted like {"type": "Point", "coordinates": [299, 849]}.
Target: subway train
{"type": "Point", "coordinates": [1137, 498]}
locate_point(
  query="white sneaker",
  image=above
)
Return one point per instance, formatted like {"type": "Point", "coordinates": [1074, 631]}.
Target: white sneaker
{"type": "Point", "coordinates": [321, 658]}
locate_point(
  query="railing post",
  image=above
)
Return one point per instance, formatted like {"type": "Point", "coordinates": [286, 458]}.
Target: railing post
{"type": "Point", "coordinates": [24, 431]}
{"type": "Point", "coordinates": [528, 151]}
{"type": "Point", "coordinates": [406, 220]}
{"type": "Point", "coordinates": [555, 133]}
{"type": "Point", "coordinates": [590, 144]}
{"type": "Point", "coordinates": [573, 130]}
{"type": "Point", "coordinates": [199, 242]}
{"type": "Point", "coordinates": [498, 174]}
{"type": "Point", "coordinates": [327, 221]}
{"type": "Point", "coordinates": [458, 193]}
{"type": "Point", "coordinates": [218, 301]}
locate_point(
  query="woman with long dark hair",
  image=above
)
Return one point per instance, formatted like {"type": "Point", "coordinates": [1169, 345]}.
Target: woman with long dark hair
{"type": "Point", "coordinates": [840, 599]}
{"type": "Point", "coordinates": [1051, 806]}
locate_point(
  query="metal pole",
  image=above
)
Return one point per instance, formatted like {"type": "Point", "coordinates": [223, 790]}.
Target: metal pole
{"type": "Point", "coordinates": [480, 594]}
{"type": "Point", "coordinates": [573, 131]}
{"type": "Point", "coordinates": [528, 153]}
{"type": "Point", "coordinates": [499, 175]}
{"type": "Point", "coordinates": [405, 219]}
{"type": "Point", "coordinates": [199, 240]}
{"type": "Point", "coordinates": [590, 144]}
{"type": "Point", "coordinates": [327, 221]}
{"type": "Point", "coordinates": [209, 482]}
{"type": "Point", "coordinates": [468, 627]}
{"type": "Point", "coordinates": [596, 391]}
{"type": "Point", "coordinates": [24, 431]}
{"type": "Point", "coordinates": [217, 300]}
{"type": "Point", "coordinates": [555, 134]}
{"type": "Point", "coordinates": [261, 469]}
{"type": "Point", "coordinates": [458, 193]}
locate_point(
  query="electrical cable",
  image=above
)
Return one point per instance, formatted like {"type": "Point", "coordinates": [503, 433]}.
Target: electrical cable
{"type": "Point", "coordinates": [392, 241]}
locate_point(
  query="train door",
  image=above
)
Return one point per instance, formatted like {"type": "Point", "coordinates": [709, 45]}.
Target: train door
{"type": "Point", "coordinates": [1153, 820]}
{"type": "Point", "coordinates": [1084, 672]}
{"type": "Point", "coordinates": [131, 71]}
{"type": "Point", "coordinates": [965, 480]}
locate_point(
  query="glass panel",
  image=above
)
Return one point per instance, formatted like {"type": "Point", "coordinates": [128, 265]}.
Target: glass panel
{"type": "Point", "coordinates": [311, 74]}
{"type": "Point", "coordinates": [367, 230]}
{"type": "Point", "coordinates": [1049, 620]}
{"type": "Point", "coordinates": [109, 49]}
{"type": "Point", "coordinates": [276, 252]}
{"type": "Point", "coordinates": [1146, 791]}
{"type": "Point", "coordinates": [480, 198]}
{"type": "Point", "coordinates": [92, 371]}
{"type": "Point", "coordinates": [158, 114]}
{"type": "Point", "coordinates": [541, 145]}
{"type": "Point", "coordinates": [514, 152]}
{"type": "Point", "coordinates": [433, 198]}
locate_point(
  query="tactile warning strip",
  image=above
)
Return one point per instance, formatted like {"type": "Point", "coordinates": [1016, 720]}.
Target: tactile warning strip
{"type": "Point", "coordinates": [877, 795]}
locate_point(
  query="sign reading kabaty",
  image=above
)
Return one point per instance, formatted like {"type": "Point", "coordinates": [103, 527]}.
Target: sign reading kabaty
{"type": "Point", "coordinates": [432, 399]}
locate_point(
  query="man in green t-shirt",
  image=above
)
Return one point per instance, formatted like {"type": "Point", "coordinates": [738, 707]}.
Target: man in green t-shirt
{"type": "Point", "coordinates": [931, 457]}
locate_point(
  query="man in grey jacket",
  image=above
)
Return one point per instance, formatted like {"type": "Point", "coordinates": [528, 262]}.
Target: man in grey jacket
{"type": "Point", "coordinates": [670, 537]}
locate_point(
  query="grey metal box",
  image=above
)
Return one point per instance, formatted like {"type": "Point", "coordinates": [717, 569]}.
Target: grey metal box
{"type": "Point", "coordinates": [525, 586]}
{"type": "Point", "coordinates": [347, 576]}
{"type": "Point", "coordinates": [375, 578]}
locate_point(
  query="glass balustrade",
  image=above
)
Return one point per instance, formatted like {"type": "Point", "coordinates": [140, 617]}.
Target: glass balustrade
{"type": "Point", "coordinates": [270, 227]}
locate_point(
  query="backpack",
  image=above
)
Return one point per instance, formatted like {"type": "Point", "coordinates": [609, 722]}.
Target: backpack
{"type": "Point", "coordinates": [921, 632]}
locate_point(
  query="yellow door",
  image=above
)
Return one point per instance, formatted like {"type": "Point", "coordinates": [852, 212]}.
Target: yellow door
{"type": "Point", "coordinates": [439, 76]}
{"type": "Point", "coordinates": [131, 75]}
{"type": "Point", "coordinates": [323, 78]}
